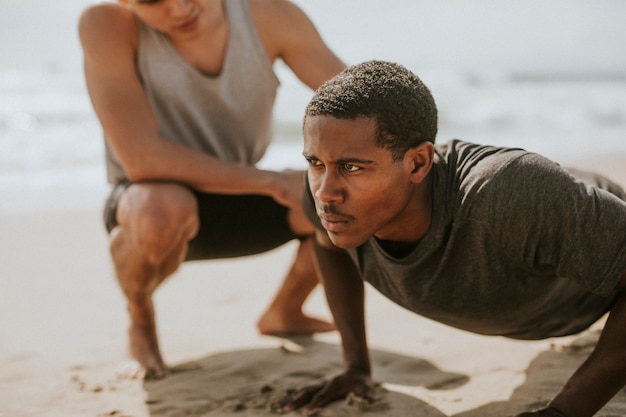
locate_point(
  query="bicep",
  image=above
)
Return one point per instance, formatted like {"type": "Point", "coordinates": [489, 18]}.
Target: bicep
{"type": "Point", "coordinates": [114, 87]}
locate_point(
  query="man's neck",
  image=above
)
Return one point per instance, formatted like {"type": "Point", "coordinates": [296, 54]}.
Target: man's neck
{"type": "Point", "coordinates": [415, 225]}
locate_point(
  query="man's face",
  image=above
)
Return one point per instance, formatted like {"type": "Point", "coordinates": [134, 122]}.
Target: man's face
{"type": "Point", "coordinates": [175, 18]}
{"type": "Point", "coordinates": [359, 190]}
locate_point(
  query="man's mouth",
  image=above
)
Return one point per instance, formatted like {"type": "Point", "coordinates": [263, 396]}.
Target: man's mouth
{"type": "Point", "coordinates": [188, 25]}
{"type": "Point", "coordinates": [332, 221]}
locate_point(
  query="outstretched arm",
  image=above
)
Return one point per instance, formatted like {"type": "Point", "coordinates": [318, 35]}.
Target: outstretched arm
{"type": "Point", "coordinates": [345, 295]}
{"type": "Point", "coordinates": [601, 376]}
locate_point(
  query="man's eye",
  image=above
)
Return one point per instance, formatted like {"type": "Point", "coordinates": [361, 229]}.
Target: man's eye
{"type": "Point", "coordinates": [351, 168]}
{"type": "Point", "coordinates": [314, 162]}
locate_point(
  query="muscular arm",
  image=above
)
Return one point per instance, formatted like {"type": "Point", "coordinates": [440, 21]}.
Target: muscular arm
{"type": "Point", "coordinates": [345, 295]}
{"type": "Point", "coordinates": [290, 35]}
{"type": "Point", "coordinates": [109, 35]}
{"type": "Point", "coordinates": [602, 375]}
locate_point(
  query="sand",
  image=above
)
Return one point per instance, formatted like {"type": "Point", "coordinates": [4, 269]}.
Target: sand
{"type": "Point", "coordinates": [63, 327]}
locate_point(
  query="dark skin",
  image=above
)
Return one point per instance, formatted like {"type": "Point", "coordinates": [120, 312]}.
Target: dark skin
{"type": "Point", "coordinates": [336, 175]}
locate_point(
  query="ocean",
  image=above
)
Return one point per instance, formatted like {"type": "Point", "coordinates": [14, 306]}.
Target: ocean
{"type": "Point", "coordinates": [548, 76]}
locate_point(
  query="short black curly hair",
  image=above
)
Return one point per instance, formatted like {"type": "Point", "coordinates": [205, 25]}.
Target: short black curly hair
{"type": "Point", "coordinates": [402, 106]}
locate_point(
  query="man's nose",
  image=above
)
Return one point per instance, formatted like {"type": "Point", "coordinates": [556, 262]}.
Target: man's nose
{"type": "Point", "coordinates": [180, 7]}
{"type": "Point", "coordinates": [328, 188]}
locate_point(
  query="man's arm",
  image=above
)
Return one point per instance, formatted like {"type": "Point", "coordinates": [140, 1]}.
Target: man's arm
{"type": "Point", "coordinates": [109, 36]}
{"type": "Point", "coordinates": [601, 376]}
{"type": "Point", "coordinates": [345, 295]}
{"type": "Point", "coordinates": [289, 34]}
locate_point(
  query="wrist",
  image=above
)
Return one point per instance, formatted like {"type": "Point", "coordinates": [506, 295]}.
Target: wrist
{"type": "Point", "coordinates": [359, 369]}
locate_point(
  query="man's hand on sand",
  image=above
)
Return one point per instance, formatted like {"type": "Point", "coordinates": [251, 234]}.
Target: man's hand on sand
{"type": "Point", "coordinates": [314, 397]}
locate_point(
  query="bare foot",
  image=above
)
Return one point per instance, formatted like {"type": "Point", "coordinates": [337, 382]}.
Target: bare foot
{"type": "Point", "coordinates": [273, 324]}
{"type": "Point", "coordinates": [132, 369]}
{"type": "Point", "coordinates": [147, 363]}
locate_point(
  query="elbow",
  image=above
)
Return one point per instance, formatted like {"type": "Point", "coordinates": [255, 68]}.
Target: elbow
{"type": "Point", "coordinates": [140, 161]}
{"type": "Point", "coordinates": [138, 169]}
{"type": "Point", "coordinates": [137, 173]}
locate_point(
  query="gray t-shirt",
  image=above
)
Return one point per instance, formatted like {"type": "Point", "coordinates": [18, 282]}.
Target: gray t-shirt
{"type": "Point", "coordinates": [517, 246]}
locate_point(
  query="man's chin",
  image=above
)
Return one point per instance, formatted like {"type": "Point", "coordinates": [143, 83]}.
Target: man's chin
{"type": "Point", "coordinates": [343, 241]}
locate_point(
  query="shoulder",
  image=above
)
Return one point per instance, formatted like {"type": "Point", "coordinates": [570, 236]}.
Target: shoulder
{"type": "Point", "coordinates": [283, 11]}
{"type": "Point", "coordinates": [532, 189]}
{"type": "Point", "coordinates": [531, 171]}
{"type": "Point", "coordinates": [522, 177]}
{"type": "Point", "coordinates": [287, 33]}
{"type": "Point", "coordinates": [107, 23]}
{"type": "Point", "coordinates": [488, 181]}
{"type": "Point", "coordinates": [279, 20]}
{"type": "Point", "coordinates": [473, 166]}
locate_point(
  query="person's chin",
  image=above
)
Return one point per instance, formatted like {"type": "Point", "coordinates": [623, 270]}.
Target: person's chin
{"type": "Point", "coordinates": [345, 240]}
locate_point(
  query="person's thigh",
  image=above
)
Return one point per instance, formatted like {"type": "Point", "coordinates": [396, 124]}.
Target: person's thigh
{"type": "Point", "coordinates": [234, 225]}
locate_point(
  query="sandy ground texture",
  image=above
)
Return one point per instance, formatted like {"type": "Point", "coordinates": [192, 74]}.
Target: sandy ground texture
{"type": "Point", "coordinates": [63, 333]}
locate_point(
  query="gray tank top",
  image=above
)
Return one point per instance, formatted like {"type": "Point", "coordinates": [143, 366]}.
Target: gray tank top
{"type": "Point", "coordinates": [229, 115]}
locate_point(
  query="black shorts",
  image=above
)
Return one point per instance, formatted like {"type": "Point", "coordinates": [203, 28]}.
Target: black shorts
{"type": "Point", "coordinates": [230, 225]}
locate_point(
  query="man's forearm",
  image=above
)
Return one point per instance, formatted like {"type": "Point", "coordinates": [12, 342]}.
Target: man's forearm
{"type": "Point", "coordinates": [168, 161]}
{"type": "Point", "coordinates": [602, 375]}
{"type": "Point", "coordinates": [345, 294]}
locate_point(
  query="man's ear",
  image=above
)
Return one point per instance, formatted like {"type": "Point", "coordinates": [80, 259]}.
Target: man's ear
{"type": "Point", "coordinates": [419, 161]}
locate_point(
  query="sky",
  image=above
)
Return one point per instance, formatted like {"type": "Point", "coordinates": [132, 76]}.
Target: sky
{"type": "Point", "coordinates": [581, 36]}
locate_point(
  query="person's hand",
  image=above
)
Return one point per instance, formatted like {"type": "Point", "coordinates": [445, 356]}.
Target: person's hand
{"type": "Point", "coordinates": [315, 397]}
{"type": "Point", "coordinates": [544, 412]}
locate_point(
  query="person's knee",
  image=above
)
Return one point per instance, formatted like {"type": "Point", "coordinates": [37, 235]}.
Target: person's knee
{"type": "Point", "coordinates": [157, 218]}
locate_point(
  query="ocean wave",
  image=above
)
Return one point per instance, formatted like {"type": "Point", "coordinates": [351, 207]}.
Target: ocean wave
{"type": "Point", "coordinates": [49, 129]}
